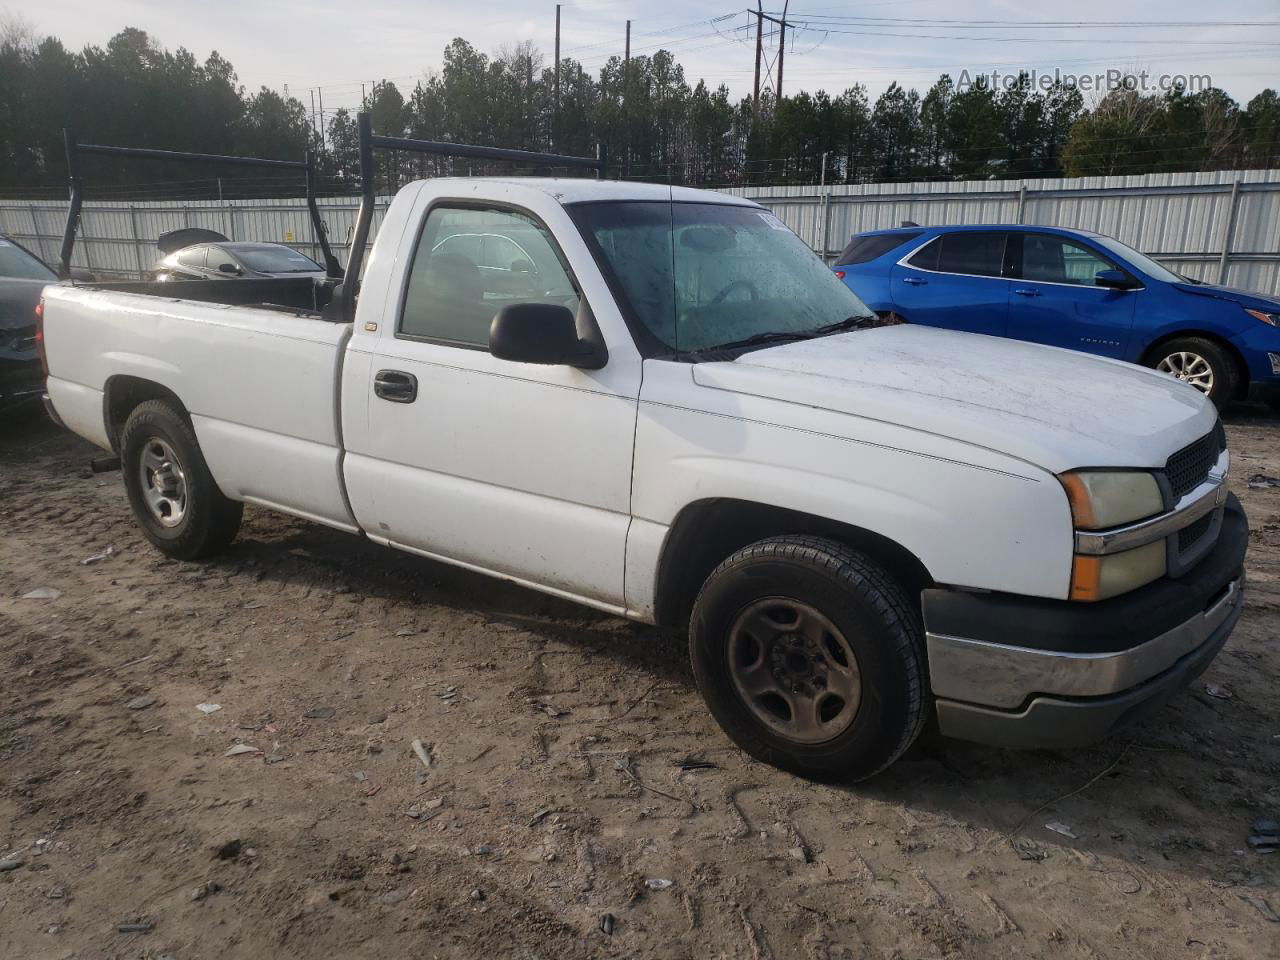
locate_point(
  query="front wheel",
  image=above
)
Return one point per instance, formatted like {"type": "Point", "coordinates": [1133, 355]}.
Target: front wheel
{"type": "Point", "coordinates": [810, 656]}
{"type": "Point", "coordinates": [173, 495]}
{"type": "Point", "coordinates": [1201, 363]}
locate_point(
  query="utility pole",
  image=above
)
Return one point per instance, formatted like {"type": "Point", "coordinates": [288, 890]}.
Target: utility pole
{"type": "Point", "coordinates": [320, 94]}
{"type": "Point", "coordinates": [313, 110]}
{"type": "Point", "coordinates": [782, 24]}
{"type": "Point", "coordinates": [556, 105]}
{"type": "Point", "coordinates": [755, 97]}
{"type": "Point", "coordinates": [626, 88]}
{"type": "Point", "coordinates": [782, 52]}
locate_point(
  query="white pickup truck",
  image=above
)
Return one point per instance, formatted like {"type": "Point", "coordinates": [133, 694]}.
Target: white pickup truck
{"type": "Point", "coordinates": [658, 402]}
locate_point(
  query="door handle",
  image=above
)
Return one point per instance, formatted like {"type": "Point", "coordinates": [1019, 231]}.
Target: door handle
{"type": "Point", "coordinates": [396, 386]}
{"type": "Point", "coordinates": [1026, 292]}
{"type": "Point", "coordinates": [915, 281]}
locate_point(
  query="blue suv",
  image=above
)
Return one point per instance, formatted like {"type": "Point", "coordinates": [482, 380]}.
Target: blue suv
{"type": "Point", "coordinates": [1074, 289]}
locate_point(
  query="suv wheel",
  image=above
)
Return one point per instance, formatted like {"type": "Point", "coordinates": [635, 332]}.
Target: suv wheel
{"type": "Point", "coordinates": [810, 656]}
{"type": "Point", "coordinates": [1200, 362]}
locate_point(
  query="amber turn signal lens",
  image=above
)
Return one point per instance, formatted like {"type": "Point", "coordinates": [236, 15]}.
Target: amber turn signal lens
{"type": "Point", "coordinates": [1086, 578]}
{"type": "Point", "coordinates": [1078, 497]}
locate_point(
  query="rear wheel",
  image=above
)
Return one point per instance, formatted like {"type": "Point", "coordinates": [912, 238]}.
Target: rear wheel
{"type": "Point", "coordinates": [810, 656]}
{"type": "Point", "coordinates": [1201, 363]}
{"type": "Point", "coordinates": [173, 495]}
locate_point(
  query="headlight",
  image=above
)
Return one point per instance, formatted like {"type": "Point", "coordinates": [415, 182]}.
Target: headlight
{"type": "Point", "coordinates": [1111, 498]}
{"type": "Point", "coordinates": [1271, 319]}
{"type": "Point", "coordinates": [1108, 498]}
{"type": "Point", "coordinates": [1098, 578]}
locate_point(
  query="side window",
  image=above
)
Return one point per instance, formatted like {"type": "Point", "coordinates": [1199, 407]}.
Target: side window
{"type": "Point", "coordinates": [193, 256]}
{"type": "Point", "coordinates": [1051, 259]}
{"type": "Point", "coordinates": [926, 258]}
{"type": "Point", "coordinates": [977, 254]}
{"type": "Point", "coordinates": [456, 285]}
{"type": "Point", "coordinates": [866, 249]}
{"type": "Point", "coordinates": [218, 256]}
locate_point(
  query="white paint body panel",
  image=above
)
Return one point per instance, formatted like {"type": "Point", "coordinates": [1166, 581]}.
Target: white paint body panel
{"type": "Point", "coordinates": [570, 480]}
{"type": "Point", "coordinates": [260, 386]}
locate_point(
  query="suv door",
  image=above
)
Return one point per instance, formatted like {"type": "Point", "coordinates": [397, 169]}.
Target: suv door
{"type": "Point", "coordinates": [1055, 300]}
{"type": "Point", "coordinates": [519, 469]}
{"type": "Point", "coordinates": [955, 281]}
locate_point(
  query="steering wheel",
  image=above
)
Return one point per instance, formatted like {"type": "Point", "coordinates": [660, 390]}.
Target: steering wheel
{"type": "Point", "coordinates": [744, 284]}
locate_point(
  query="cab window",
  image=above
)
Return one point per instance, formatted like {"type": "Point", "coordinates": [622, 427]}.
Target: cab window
{"type": "Point", "coordinates": [469, 263]}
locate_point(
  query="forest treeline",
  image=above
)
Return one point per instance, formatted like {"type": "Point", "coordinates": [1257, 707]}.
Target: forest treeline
{"type": "Point", "coordinates": [655, 124]}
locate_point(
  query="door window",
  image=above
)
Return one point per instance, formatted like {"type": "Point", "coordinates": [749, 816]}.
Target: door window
{"type": "Point", "coordinates": [192, 257]}
{"type": "Point", "coordinates": [1050, 259]}
{"type": "Point", "coordinates": [469, 264]}
{"type": "Point", "coordinates": [974, 253]}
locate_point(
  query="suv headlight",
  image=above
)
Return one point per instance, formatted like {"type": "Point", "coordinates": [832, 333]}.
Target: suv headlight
{"type": "Point", "coordinates": [1101, 499]}
{"type": "Point", "coordinates": [1270, 319]}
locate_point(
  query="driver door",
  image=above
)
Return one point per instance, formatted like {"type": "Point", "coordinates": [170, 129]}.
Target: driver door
{"type": "Point", "coordinates": [518, 469]}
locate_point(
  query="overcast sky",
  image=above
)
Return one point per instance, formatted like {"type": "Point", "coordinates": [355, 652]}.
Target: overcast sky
{"type": "Point", "coordinates": [337, 45]}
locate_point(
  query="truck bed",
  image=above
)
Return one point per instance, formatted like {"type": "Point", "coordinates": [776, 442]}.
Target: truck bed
{"type": "Point", "coordinates": [260, 386]}
{"type": "Point", "coordinates": [302, 294]}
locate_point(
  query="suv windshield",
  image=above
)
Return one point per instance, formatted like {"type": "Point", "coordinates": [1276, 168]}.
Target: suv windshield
{"type": "Point", "coordinates": [1140, 260]}
{"type": "Point", "coordinates": [697, 276]}
{"type": "Point", "coordinates": [17, 263]}
{"type": "Point", "coordinates": [276, 259]}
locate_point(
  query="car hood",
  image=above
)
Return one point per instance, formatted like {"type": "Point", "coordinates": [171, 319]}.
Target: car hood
{"type": "Point", "coordinates": [1056, 409]}
{"type": "Point", "coordinates": [1253, 301]}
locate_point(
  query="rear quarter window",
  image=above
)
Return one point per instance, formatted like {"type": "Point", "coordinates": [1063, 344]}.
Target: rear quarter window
{"type": "Point", "coordinates": [866, 249]}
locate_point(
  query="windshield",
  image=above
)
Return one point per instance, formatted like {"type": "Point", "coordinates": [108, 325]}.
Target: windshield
{"type": "Point", "coordinates": [276, 259]}
{"type": "Point", "coordinates": [16, 262]}
{"type": "Point", "coordinates": [697, 276]}
{"type": "Point", "coordinates": [1139, 260]}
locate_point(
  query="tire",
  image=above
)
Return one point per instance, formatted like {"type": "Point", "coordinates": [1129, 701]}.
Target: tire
{"type": "Point", "coordinates": [862, 613]}
{"type": "Point", "coordinates": [173, 495]}
{"type": "Point", "coordinates": [1203, 363]}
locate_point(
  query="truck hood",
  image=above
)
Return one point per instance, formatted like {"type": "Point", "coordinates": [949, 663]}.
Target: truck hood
{"type": "Point", "coordinates": [1056, 409]}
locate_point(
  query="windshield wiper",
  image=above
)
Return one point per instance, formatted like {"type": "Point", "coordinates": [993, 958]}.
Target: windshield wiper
{"type": "Point", "coordinates": [848, 323]}
{"type": "Point", "coordinates": [785, 336]}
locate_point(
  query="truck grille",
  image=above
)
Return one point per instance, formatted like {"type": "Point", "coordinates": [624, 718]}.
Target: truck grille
{"type": "Point", "coordinates": [1190, 466]}
{"type": "Point", "coordinates": [1188, 537]}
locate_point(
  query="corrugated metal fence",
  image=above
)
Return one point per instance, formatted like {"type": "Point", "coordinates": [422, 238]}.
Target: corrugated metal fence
{"type": "Point", "coordinates": [1223, 227]}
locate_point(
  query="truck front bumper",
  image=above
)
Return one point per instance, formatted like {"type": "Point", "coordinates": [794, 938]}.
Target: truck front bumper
{"type": "Point", "coordinates": [1027, 673]}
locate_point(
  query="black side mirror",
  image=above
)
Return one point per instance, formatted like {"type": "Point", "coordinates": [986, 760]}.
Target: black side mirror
{"type": "Point", "coordinates": [546, 333]}
{"type": "Point", "coordinates": [1114, 279]}
{"type": "Point", "coordinates": [228, 268]}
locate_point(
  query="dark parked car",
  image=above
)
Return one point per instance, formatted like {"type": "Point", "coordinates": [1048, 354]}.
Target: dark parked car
{"type": "Point", "coordinates": [194, 254]}
{"type": "Point", "coordinates": [22, 278]}
{"type": "Point", "coordinates": [1074, 289]}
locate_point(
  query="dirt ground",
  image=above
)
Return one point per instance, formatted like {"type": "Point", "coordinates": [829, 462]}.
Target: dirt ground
{"type": "Point", "coordinates": [579, 803]}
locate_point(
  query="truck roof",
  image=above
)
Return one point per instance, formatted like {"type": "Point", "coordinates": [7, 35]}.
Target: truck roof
{"type": "Point", "coordinates": [568, 190]}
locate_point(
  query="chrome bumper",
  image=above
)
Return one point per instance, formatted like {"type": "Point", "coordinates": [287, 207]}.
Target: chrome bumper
{"type": "Point", "coordinates": [1006, 677]}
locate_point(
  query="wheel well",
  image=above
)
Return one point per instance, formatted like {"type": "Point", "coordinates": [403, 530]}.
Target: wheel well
{"type": "Point", "coordinates": [707, 532]}
{"type": "Point", "coordinates": [1242, 368]}
{"type": "Point", "coordinates": [121, 398]}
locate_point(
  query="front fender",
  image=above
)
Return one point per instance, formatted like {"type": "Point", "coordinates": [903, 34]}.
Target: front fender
{"type": "Point", "coordinates": [999, 525]}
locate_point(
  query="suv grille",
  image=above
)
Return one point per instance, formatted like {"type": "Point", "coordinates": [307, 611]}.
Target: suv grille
{"type": "Point", "coordinates": [1189, 467]}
